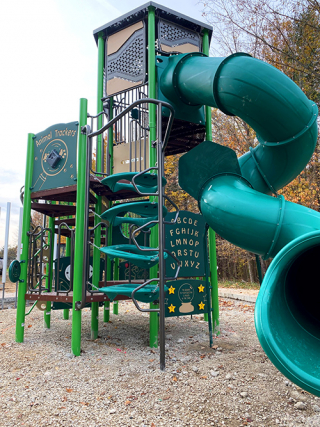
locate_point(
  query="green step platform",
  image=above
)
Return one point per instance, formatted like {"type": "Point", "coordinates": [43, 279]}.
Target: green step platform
{"type": "Point", "coordinates": [143, 259]}
{"type": "Point", "coordinates": [146, 210]}
{"type": "Point", "coordinates": [146, 183]}
{"type": "Point", "coordinates": [148, 293]}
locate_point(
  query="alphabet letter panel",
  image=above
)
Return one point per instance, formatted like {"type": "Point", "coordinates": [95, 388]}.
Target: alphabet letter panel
{"type": "Point", "coordinates": [186, 240]}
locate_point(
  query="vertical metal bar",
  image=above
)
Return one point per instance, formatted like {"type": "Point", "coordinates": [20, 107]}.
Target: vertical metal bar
{"type": "Point", "coordinates": [18, 251]}
{"type": "Point", "coordinates": [51, 240]}
{"type": "Point", "coordinates": [108, 239]}
{"type": "Point", "coordinates": [80, 232]}
{"type": "Point", "coordinates": [5, 254]}
{"type": "Point", "coordinates": [212, 235]}
{"type": "Point", "coordinates": [68, 254]}
{"type": "Point", "coordinates": [152, 151]}
{"type": "Point", "coordinates": [98, 206]}
{"type": "Point", "coordinates": [259, 269]}
{"type": "Point", "coordinates": [21, 305]}
{"type": "Point", "coordinates": [161, 240]}
{"type": "Point", "coordinates": [208, 289]}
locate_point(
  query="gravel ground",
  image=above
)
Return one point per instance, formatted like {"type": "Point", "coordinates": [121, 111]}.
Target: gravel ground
{"type": "Point", "coordinates": [117, 382]}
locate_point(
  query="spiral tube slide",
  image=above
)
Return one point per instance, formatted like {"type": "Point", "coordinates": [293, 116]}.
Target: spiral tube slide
{"type": "Point", "coordinates": [234, 196]}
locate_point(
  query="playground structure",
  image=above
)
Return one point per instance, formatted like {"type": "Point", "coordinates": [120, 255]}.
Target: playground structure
{"type": "Point", "coordinates": [139, 97]}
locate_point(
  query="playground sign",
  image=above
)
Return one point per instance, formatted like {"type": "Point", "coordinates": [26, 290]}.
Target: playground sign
{"type": "Point", "coordinates": [186, 240]}
{"type": "Point", "coordinates": [186, 297]}
{"type": "Point", "coordinates": [55, 157]}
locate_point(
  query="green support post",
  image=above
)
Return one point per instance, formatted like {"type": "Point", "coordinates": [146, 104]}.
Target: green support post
{"type": "Point", "coordinates": [68, 253]}
{"type": "Point", "coordinates": [212, 235]}
{"type": "Point", "coordinates": [80, 232]}
{"type": "Point", "coordinates": [21, 303]}
{"type": "Point", "coordinates": [106, 314]}
{"type": "Point", "coordinates": [154, 318]}
{"type": "Point", "coordinates": [47, 312]}
{"type": "Point", "coordinates": [98, 207]}
{"type": "Point", "coordinates": [116, 277]}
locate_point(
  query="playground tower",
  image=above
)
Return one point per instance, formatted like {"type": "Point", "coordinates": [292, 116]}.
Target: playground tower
{"type": "Point", "coordinates": [82, 175]}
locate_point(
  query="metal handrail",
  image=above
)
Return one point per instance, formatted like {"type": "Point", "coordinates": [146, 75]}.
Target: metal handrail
{"type": "Point", "coordinates": [144, 310]}
{"type": "Point", "coordinates": [134, 104]}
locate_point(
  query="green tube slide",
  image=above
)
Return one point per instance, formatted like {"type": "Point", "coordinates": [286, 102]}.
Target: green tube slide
{"type": "Point", "coordinates": [234, 195]}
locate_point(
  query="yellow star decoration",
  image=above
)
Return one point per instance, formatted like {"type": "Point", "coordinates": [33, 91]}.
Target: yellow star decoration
{"type": "Point", "coordinates": [201, 288]}
{"type": "Point", "coordinates": [171, 308]}
{"type": "Point", "coordinates": [171, 290]}
{"type": "Point", "coordinates": [201, 306]}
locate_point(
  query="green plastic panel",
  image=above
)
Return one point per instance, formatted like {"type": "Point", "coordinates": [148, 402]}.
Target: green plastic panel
{"type": "Point", "coordinates": [183, 111]}
{"type": "Point", "coordinates": [64, 272]}
{"type": "Point", "coordinates": [186, 297]}
{"type": "Point", "coordinates": [143, 259]}
{"type": "Point", "coordinates": [202, 163]}
{"type": "Point", "coordinates": [146, 211]}
{"type": "Point", "coordinates": [136, 272]}
{"type": "Point", "coordinates": [148, 294]}
{"type": "Point", "coordinates": [55, 157]}
{"type": "Point", "coordinates": [147, 182]}
{"type": "Point", "coordinates": [14, 271]}
{"type": "Point", "coordinates": [186, 240]}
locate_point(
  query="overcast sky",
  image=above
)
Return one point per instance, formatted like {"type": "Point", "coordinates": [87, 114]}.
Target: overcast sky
{"type": "Point", "coordinates": [49, 62]}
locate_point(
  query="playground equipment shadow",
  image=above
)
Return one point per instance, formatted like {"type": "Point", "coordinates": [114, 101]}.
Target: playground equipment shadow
{"type": "Point", "coordinates": [117, 382]}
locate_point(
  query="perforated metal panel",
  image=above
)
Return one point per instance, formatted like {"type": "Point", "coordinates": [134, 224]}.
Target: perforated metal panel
{"type": "Point", "coordinates": [173, 37]}
{"type": "Point", "coordinates": [126, 67]}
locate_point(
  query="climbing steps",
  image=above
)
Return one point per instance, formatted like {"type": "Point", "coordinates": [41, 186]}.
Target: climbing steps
{"type": "Point", "coordinates": [147, 212]}
{"type": "Point", "coordinates": [141, 214]}
{"type": "Point", "coordinates": [145, 182]}
{"type": "Point", "coordinates": [149, 293]}
{"type": "Point", "coordinates": [133, 254]}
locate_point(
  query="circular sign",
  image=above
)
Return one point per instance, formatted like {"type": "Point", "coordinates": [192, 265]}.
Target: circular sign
{"type": "Point", "coordinates": [61, 148]}
{"type": "Point", "coordinates": [186, 293]}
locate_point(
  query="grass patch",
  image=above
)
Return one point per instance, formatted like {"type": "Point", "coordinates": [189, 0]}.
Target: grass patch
{"type": "Point", "coordinates": [238, 285]}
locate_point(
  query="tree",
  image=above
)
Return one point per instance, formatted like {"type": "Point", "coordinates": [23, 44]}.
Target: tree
{"type": "Point", "coordinates": [286, 35]}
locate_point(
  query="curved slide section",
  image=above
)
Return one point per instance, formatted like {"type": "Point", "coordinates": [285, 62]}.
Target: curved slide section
{"type": "Point", "coordinates": [233, 195]}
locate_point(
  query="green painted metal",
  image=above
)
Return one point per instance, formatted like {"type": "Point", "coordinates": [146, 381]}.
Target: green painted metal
{"type": "Point", "coordinates": [211, 233]}
{"type": "Point", "coordinates": [80, 232]}
{"type": "Point", "coordinates": [98, 206]}
{"type": "Point", "coordinates": [21, 303]}
{"type": "Point", "coordinates": [154, 319]}
{"type": "Point", "coordinates": [258, 263]}
{"type": "Point", "coordinates": [115, 305]}
{"type": "Point", "coordinates": [214, 281]}
{"type": "Point", "coordinates": [240, 209]}
{"type": "Point", "coordinates": [55, 157]}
